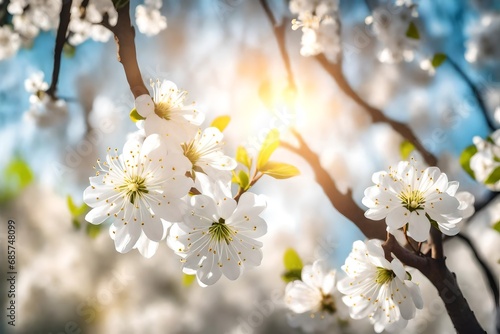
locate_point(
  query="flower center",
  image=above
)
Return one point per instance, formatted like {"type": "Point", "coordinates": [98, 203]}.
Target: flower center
{"type": "Point", "coordinates": [412, 200]}
{"type": "Point", "coordinates": [134, 187]}
{"type": "Point", "coordinates": [162, 109]}
{"type": "Point", "coordinates": [190, 152]}
{"type": "Point", "coordinates": [384, 275]}
{"type": "Point", "coordinates": [219, 231]}
{"type": "Point", "coordinates": [328, 304]}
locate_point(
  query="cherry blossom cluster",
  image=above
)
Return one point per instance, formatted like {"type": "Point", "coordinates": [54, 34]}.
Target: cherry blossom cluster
{"type": "Point", "coordinates": [320, 24]}
{"type": "Point", "coordinates": [29, 18]}
{"type": "Point", "coordinates": [373, 287]}
{"type": "Point", "coordinates": [393, 25]}
{"type": "Point", "coordinates": [44, 111]}
{"type": "Point", "coordinates": [172, 181]}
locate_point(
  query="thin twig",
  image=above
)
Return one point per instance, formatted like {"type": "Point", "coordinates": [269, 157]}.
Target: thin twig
{"type": "Point", "coordinates": [64, 18]}
{"type": "Point", "coordinates": [126, 50]}
{"type": "Point", "coordinates": [335, 71]}
{"type": "Point", "coordinates": [475, 92]}
{"type": "Point", "coordinates": [492, 282]}
{"type": "Point", "coordinates": [344, 203]}
{"type": "Point", "coordinates": [279, 32]}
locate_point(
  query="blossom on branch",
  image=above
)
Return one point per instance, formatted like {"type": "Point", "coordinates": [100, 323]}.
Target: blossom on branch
{"type": "Point", "coordinates": [486, 162]}
{"type": "Point", "coordinates": [218, 236]}
{"type": "Point", "coordinates": [166, 114]}
{"type": "Point", "coordinates": [149, 19]}
{"type": "Point", "coordinates": [395, 30]}
{"type": "Point", "coordinates": [378, 289]}
{"type": "Point", "coordinates": [140, 190]}
{"type": "Point", "coordinates": [313, 300]}
{"type": "Point", "coordinates": [320, 25]}
{"type": "Point", "coordinates": [413, 197]}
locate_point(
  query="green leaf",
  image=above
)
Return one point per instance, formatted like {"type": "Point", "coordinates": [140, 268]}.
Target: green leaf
{"type": "Point", "coordinates": [438, 59]}
{"type": "Point", "coordinates": [293, 265]}
{"type": "Point", "coordinates": [291, 260]}
{"type": "Point", "coordinates": [270, 144]}
{"type": "Point", "coordinates": [69, 50]}
{"type": "Point", "coordinates": [405, 149]}
{"type": "Point", "coordinates": [465, 159]}
{"type": "Point", "coordinates": [76, 223]}
{"type": "Point", "coordinates": [19, 173]}
{"type": "Point", "coordinates": [221, 122]}
{"type": "Point", "coordinates": [412, 31]}
{"type": "Point", "coordinates": [496, 226]}
{"type": "Point", "coordinates": [235, 178]}
{"type": "Point", "coordinates": [493, 177]}
{"type": "Point", "coordinates": [187, 280]}
{"type": "Point", "coordinates": [74, 209]}
{"type": "Point", "coordinates": [135, 116]}
{"type": "Point", "coordinates": [280, 170]}
{"type": "Point", "coordinates": [292, 275]}
{"type": "Point", "coordinates": [242, 157]}
{"type": "Point", "coordinates": [93, 230]}
{"type": "Point", "coordinates": [244, 180]}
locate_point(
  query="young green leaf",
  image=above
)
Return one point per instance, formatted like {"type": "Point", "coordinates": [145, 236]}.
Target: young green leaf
{"type": "Point", "coordinates": [221, 122]}
{"type": "Point", "coordinates": [465, 159]}
{"type": "Point", "coordinates": [280, 170]}
{"type": "Point", "coordinates": [242, 157]}
{"type": "Point", "coordinates": [293, 265]}
{"type": "Point", "coordinates": [405, 149]}
{"type": "Point", "coordinates": [93, 230]}
{"type": "Point", "coordinates": [270, 144]}
{"type": "Point", "coordinates": [187, 280]}
{"type": "Point", "coordinates": [120, 3]}
{"type": "Point", "coordinates": [69, 50]}
{"type": "Point", "coordinates": [493, 177]}
{"type": "Point", "coordinates": [292, 260]}
{"type": "Point", "coordinates": [74, 209]}
{"type": "Point", "coordinates": [244, 180]}
{"type": "Point", "coordinates": [135, 116]}
{"type": "Point", "coordinates": [19, 172]}
{"type": "Point", "coordinates": [412, 31]}
{"type": "Point", "coordinates": [438, 59]}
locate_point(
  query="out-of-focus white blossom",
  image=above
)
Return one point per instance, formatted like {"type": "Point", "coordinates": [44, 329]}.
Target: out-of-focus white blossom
{"type": "Point", "coordinates": [83, 27]}
{"type": "Point", "coordinates": [46, 112]}
{"type": "Point", "coordinates": [487, 159]}
{"type": "Point", "coordinates": [482, 45]}
{"type": "Point", "coordinates": [149, 19]}
{"type": "Point", "coordinates": [320, 25]}
{"type": "Point", "coordinates": [314, 300]}
{"type": "Point", "coordinates": [390, 28]}
{"type": "Point", "coordinates": [10, 42]}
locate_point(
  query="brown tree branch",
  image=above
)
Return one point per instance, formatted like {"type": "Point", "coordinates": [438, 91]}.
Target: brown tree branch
{"type": "Point", "coordinates": [335, 71]}
{"type": "Point", "coordinates": [279, 33]}
{"type": "Point", "coordinates": [444, 280]}
{"type": "Point", "coordinates": [344, 203]}
{"type": "Point", "coordinates": [64, 18]}
{"type": "Point", "coordinates": [126, 51]}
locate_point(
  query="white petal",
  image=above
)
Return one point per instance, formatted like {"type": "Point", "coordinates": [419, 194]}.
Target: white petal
{"type": "Point", "coordinates": [144, 105]}
{"type": "Point", "coordinates": [419, 226]}
{"type": "Point", "coordinates": [397, 218]}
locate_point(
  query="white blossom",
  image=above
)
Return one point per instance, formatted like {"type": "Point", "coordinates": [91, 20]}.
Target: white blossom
{"type": "Point", "coordinates": [168, 115]}
{"type": "Point", "coordinates": [487, 159]}
{"type": "Point", "coordinates": [313, 301]}
{"type": "Point", "coordinates": [218, 236]}
{"type": "Point", "coordinates": [10, 42]}
{"type": "Point", "coordinates": [482, 45]}
{"type": "Point", "coordinates": [149, 19]}
{"type": "Point", "coordinates": [390, 28]}
{"type": "Point", "coordinates": [413, 195]}
{"type": "Point", "coordinates": [46, 112]}
{"type": "Point", "coordinates": [320, 25]}
{"type": "Point", "coordinates": [378, 289]}
{"type": "Point", "coordinates": [140, 190]}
